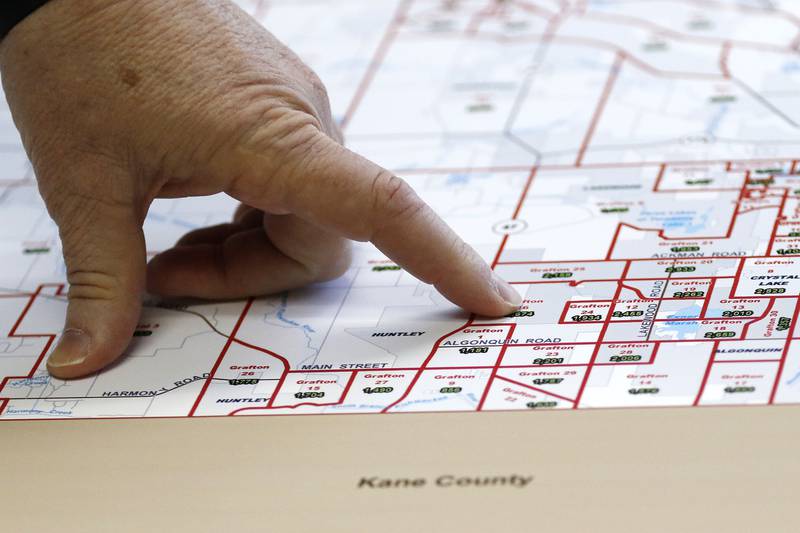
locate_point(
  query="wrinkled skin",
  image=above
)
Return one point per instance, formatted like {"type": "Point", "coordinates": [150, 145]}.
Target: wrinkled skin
{"type": "Point", "coordinates": [120, 102]}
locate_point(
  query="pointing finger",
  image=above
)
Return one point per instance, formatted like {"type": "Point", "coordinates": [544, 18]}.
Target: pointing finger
{"type": "Point", "coordinates": [334, 187]}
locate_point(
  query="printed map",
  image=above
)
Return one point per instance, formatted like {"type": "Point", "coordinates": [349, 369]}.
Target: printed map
{"type": "Point", "coordinates": [631, 166]}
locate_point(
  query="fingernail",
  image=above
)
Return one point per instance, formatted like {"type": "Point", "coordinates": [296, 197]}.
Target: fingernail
{"type": "Point", "coordinates": [506, 291]}
{"type": "Point", "coordinates": [72, 349]}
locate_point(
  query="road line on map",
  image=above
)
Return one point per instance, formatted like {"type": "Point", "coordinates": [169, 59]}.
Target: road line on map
{"type": "Point", "coordinates": [600, 338]}
{"type": "Point", "coordinates": [221, 356]}
{"type": "Point", "coordinates": [377, 59]}
{"type": "Point", "coordinates": [706, 374]}
{"type": "Point", "coordinates": [537, 389]}
{"type": "Point", "coordinates": [495, 368]}
{"type": "Point", "coordinates": [13, 334]}
{"type": "Point", "coordinates": [616, 66]}
{"type": "Point", "coordinates": [422, 368]}
{"type": "Point", "coordinates": [786, 346]}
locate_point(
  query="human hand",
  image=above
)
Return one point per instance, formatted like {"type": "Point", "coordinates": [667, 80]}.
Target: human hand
{"type": "Point", "coordinates": [120, 102]}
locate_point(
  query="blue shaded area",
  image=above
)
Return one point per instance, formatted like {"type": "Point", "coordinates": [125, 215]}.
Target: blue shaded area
{"type": "Point", "coordinates": [687, 222]}
{"type": "Point", "coordinates": [36, 381]}
{"type": "Point", "coordinates": [790, 67]}
{"type": "Point", "coordinates": [429, 400]}
{"type": "Point", "coordinates": [683, 329]}
{"type": "Point", "coordinates": [715, 313]}
{"type": "Point", "coordinates": [692, 311]}
{"type": "Point", "coordinates": [52, 412]}
{"type": "Point", "coordinates": [601, 4]}
{"type": "Point", "coordinates": [363, 407]}
{"type": "Point", "coordinates": [457, 179]}
{"type": "Point", "coordinates": [716, 119]}
{"type": "Point", "coordinates": [470, 396]}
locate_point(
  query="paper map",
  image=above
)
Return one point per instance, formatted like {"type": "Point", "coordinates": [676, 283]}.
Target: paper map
{"type": "Point", "coordinates": [631, 166]}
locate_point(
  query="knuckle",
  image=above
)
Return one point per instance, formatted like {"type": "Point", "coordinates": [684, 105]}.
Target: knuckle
{"type": "Point", "coordinates": [325, 261]}
{"type": "Point", "coordinates": [303, 150]}
{"type": "Point", "coordinates": [277, 157]}
{"type": "Point", "coordinates": [321, 100]}
{"type": "Point", "coordinates": [92, 285]}
{"type": "Point", "coordinates": [334, 265]}
{"type": "Point", "coordinates": [317, 87]}
{"type": "Point", "coordinates": [271, 128]}
{"type": "Point", "coordinates": [394, 199]}
{"type": "Point", "coordinates": [304, 159]}
{"type": "Point", "coordinates": [87, 192]}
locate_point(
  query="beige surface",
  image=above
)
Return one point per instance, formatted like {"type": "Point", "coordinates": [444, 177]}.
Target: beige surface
{"type": "Point", "coordinates": [709, 470]}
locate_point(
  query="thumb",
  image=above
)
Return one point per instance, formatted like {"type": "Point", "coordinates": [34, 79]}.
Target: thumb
{"type": "Point", "coordinates": [101, 233]}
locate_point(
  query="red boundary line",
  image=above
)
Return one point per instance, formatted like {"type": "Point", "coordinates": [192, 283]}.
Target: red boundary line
{"type": "Point", "coordinates": [377, 60]}
{"type": "Point", "coordinates": [607, 88]}
{"type": "Point", "coordinates": [782, 363]}
{"type": "Point", "coordinates": [13, 334]}
{"type": "Point", "coordinates": [221, 356]}
{"type": "Point", "coordinates": [537, 389]}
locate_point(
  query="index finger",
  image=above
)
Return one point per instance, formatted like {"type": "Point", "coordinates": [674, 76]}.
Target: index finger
{"type": "Point", "coordinates": [338, 189]}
